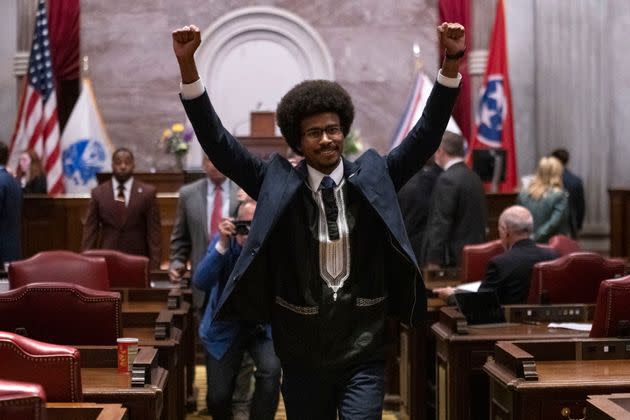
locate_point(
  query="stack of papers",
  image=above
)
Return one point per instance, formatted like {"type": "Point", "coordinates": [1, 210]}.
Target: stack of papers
{"type": "Point", "coordinates": [576, 326]}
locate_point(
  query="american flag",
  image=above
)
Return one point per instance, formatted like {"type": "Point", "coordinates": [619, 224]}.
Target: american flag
{"type": "Point", "coordinates": [37, 126]}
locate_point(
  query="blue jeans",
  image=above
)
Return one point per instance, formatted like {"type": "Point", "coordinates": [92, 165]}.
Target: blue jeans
{"type": "Point", "coordinates": [222, 376]}
{"type": "Point", "coordinates": [355, 393]}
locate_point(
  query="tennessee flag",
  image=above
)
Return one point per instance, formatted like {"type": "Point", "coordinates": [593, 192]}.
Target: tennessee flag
{"type": "Point", "coordinates": [494, 128]}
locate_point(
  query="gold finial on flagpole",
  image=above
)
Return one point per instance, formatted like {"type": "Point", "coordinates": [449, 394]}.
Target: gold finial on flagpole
{"type": "Point", "coordinates": [416, 53]}
{"type": "Point", "coordinates": [85, 65]}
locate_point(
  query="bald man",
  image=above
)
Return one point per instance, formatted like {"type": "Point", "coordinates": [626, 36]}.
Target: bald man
{"type": "Point", "coordinates": [509, 273]}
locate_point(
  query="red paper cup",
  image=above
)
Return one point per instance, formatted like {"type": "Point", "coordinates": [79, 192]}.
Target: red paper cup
{"type": "Point", "coordinates": [127, 350]}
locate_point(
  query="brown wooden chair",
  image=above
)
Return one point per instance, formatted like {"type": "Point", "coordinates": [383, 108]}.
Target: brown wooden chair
{"type": "Point", "coordinates": [62, 313]}
{"type": "Point", "coordinates": [574, 278]}
{"type": "Point", "coordinates": [56, 368]}
{"type": "Point", "coordinates": [22, 401]}
{"type": "Point", "coordinates": [60, 267]}
{"type": "Point", "coordinates": [563, 245]}
{"type": "Point", "coordinates": [612, 306]}
{"type": "Point", "coordinates": [475, 259]}
{"type": "Point", "coordinates": [124, 270]}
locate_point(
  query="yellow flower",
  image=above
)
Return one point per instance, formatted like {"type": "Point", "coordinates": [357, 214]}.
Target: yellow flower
{"type": "Point", "coordinates": [177, 127]}
{"type": "Point", "coordinates": [167, 133]}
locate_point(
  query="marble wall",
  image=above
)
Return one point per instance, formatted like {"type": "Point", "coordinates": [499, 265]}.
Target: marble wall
{"type": "Point", "coordinates": [136, 78]}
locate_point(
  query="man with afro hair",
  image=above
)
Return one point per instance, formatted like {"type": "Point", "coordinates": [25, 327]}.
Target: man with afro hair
{"type": "Point", "coordinates": [328, 258]}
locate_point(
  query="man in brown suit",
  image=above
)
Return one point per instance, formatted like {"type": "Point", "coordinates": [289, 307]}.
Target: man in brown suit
{"type": "Point", "coordinates": [126, 213]}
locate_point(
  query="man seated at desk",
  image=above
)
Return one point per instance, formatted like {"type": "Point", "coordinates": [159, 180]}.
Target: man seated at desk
{"type": "Point", "coordinates": [509, 274]}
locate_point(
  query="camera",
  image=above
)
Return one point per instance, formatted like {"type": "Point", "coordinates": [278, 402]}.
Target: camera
{"type": "Point", "coordinates": [242, 226]}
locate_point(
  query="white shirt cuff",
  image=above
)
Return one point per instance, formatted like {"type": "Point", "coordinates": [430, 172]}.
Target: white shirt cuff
{"type": "Point", "coordinates": [192, 90]}
{"type": "Point", "coordinates": [451, 82]}
{"type": "Point", "coordinates": [220, 249]}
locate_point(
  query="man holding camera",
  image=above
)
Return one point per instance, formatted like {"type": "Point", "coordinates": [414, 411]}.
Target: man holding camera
{"type": "Point", "coordinates": [226, 341]}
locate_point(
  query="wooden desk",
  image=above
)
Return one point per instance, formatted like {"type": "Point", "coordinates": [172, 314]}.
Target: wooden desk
{"type": "Point", "coordinates": [552, 379]}
{"type": "Point", "coordinates": [608, 407]}
{"type": "Point", "coordinates": [417, 356]}
{"type": "Point", "coordinates": [147, 327]}
{"type": "Point", "coordinates": [150, 303]}
{"type": "Point", "coordinates": [102, 383]}
{"type": "Point", "coordinates": [85, 411]}
{"type": "Point", "coordinates": [619, 222]}
{"type": "Point", "coordinates": [461, 386]}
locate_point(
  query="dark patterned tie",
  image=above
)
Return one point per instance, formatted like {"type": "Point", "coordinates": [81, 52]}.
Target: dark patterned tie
{"type": "Point", "coordinates": [330, 207]}
{"type": "Point", "coordinates": [121, 193]}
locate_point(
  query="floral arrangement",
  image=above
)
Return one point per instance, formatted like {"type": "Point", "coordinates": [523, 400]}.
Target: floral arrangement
{"type": "Point", "coordinates": [176, 139]}
{"type": "Point", "coordinates": [353, 145]}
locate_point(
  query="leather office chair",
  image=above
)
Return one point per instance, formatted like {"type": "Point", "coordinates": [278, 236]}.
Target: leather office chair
{"type": "Point", "coordinates": [62, 313]}
{"type": "Point", "coordinates": [563, 245]}
{"type": "Point", "coordinates": [612, 306]}
{"type": "Point", "coordinates": [475, 259]}
{"type": "Point", "coordinates": [56, 368]}
{"type": "Point", "coordinates": [124, 270]}
{"type": "Point", "coordinates": [574, 278]}
{"type": "Point", "coordinates": [22, 401]}
{"type": "Point", "coordinates": [60, 266]}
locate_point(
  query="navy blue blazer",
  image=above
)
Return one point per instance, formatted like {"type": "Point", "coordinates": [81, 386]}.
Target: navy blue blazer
{"type": "Point", "coordinates": [10, 218]}
{"type": "Point", "coordinates": [275, 183]}
{"type": "Point", "coordinates": [210, 276]}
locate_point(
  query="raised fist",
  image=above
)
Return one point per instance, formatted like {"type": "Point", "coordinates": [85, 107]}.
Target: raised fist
{"type": "Point", "coordinates": [185, 41]}
{"type": "Point", "coordinates": [452, 38]}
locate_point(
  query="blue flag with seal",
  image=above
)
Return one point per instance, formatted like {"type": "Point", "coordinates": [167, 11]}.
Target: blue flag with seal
{"type": "Point", "coordinates": [86, 148]}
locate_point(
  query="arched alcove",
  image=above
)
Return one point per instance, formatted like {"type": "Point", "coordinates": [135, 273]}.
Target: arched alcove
{"type": "Point", "coordinates": [250, 57]}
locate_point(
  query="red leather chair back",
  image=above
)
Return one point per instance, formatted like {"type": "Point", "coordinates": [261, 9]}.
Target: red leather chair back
{"type": "Point", "coordinates": [574, 278]}
{"type": "Point", "coordinates": [124, 270]}
{"type": "Point", "coordinates": [60, 266]}
{"type": "Point", "coordinates": [22, 401]}
{"type": "Point", "coordinates": [56, 368]}
{"type": "Point", "coordinates": [612, 306]}
{"type": "Point", "coordinates": [475, 259]}
{"type": "Point", "coordinates": [563, 245]}
{"type": "Point", "coordinates": [62, 314]}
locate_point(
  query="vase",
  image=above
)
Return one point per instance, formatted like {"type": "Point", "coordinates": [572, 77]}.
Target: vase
{"type": "Point", "coordinates": [179, 162]}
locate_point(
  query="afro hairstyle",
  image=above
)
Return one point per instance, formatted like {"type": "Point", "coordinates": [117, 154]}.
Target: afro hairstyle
{"type": "Point", "coordinates": [309, 98]}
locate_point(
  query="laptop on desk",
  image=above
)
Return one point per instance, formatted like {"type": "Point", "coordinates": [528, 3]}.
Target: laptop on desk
{"type": "Point", "coordinates": [480, 308]}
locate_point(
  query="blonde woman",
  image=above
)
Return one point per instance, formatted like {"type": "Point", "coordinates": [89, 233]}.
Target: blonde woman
{"type": "Point", "coordinates": [547, 200]}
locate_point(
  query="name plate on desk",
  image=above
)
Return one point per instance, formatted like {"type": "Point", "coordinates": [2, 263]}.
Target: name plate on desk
{"type": "Point", "coordinates": [144, 366]}
{"type": "Point", "coordinates": [174, 299]}
{"type": "Point", "coordinates": [548, 313]}
{"type": "Point", "coordinates": [163, 325]}
{"type": "Point", "coordinates": [524, 314]}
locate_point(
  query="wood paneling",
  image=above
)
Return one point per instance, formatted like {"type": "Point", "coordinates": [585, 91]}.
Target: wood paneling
{"type": "Point", "coordinates": [57, 222]}
{"type": "Point", "coordinates": [619, 222]}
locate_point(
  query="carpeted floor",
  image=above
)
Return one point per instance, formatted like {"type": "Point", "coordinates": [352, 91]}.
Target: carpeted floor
{"type": "Point", "coordinates": [200, 382]}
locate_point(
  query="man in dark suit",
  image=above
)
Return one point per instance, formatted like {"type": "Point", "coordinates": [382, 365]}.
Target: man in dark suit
{"type": "Point", "coordinates": [124, 213]}
{"type": "Point", "coordinates": [10, 212]}
{"type": "Point", "coordinates": [457, 214]}
{"type": "Point", "coordinates": [509, 274]}
{"type": "Point", "coordinates": [574, 186]}
{"type": "Point", "coordinates": [327, 257]}
{"type": "Point", "coordinates": [414, 204]}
